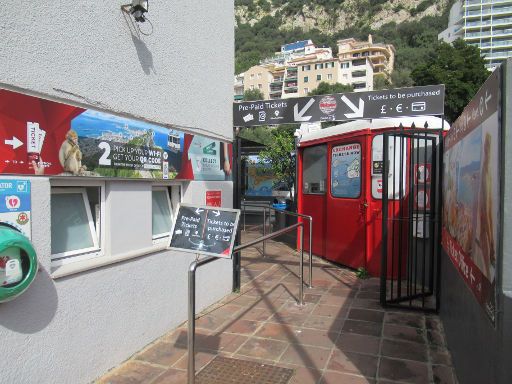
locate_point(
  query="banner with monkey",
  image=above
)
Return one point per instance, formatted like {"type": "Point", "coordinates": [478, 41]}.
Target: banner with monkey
{"type": "Point", "coordinates": [43, 137]}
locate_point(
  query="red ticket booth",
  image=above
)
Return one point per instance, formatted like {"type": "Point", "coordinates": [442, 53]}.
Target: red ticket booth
{"type": "Point", "coordinates": [340, 177]}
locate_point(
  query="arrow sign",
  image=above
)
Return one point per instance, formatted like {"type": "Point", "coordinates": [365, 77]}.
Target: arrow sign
{"type": "Point", "coordinates": [386, 103]}
{"type": "Point", "coordinates": [14, 143]}
{"type": "Point", "coordinates": [198, 211]}
{"type": "Point", "coordinates": [356, 112]}
{"type": "Point", "coordinates": [216, 213]}
{"type": "Point", "coordinates": [299, 115]}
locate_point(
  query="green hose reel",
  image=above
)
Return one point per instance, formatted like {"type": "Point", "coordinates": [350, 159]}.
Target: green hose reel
{"type": "Point", "coordinates": [18, 263]}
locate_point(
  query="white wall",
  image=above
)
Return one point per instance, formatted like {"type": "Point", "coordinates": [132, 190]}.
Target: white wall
{"type": "Point", "coordinates": [73, 329]}
{"type": "Point", "coordinates": [88, 52]}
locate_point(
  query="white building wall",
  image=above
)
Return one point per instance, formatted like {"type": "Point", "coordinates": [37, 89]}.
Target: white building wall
{"type": "Point", "coordinates": [73, 329]}
{"type": "Point", "coordinates": [89, 52]}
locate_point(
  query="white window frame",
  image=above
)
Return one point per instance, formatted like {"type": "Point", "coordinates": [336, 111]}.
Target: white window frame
{"type": "Point", "coordinates": [329, 76]}
{"type": "Point", "coordinates": [306, 90]}
{"type": "Point", "coordinates": [162, 237]}
{"type": "Point", "coordinates": [59, 259]}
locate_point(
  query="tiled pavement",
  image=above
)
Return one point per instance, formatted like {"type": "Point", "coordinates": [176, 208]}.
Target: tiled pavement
{"type": "Point", "coordinates": [341, 335]}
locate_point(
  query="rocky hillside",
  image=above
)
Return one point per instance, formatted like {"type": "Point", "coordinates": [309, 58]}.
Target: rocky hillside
{"type": "Point", "coordinates": [412, 26]}
{"type": "Point", "coordinates": [330, 16]}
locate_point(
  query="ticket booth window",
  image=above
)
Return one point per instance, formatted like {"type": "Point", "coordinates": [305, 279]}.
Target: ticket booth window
{"type": "Point", "coordinates": [397, 150]}
{"type": "Point", "coordinates": [162, 213]}
{"type": "Point", "coordinates": [346, 171]}
{"type": "Point", "coordinates": [314, 169]}
{"type": "Point", "coordinates": [75, 223]}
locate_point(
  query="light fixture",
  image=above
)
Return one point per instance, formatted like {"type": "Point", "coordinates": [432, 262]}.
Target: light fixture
{"type": "Point", "coordinates": [138, 9]}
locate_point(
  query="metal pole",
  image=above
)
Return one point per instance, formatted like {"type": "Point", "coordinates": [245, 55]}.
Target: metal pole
{"type": "Point", "coordinates": [310, 252]}
{"type": "Point", "coordinates": [192, 314]}
{"type": "Point", "coordinates": [243, 211]}
{"type": "Point", "coordinates": [301, 290]}
{"type": "Point", "coordinates": [191, 321]}
{"type": "Point", "coordinates": [264, 227]}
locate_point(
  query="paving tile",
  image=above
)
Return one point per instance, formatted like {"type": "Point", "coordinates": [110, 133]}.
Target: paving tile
{"type": "Point", "coordinates": [315, 337]}
{"type": "Point", "coordinates": [410, 320]}
{"type": "Point", "coordinates": [161, 353]}
{"type": "Point", "coordinates": [201, 359]}
{"type": "Point", "coordinates": [344, 378]}
{"type": "Point", "coordinates": [302, 375]}
{"type": "Point", "coordinates": [226, 310]}
{"type": "Point", "coordinates": [285, 317]}
{"type": "Point", "coordinates": [312, 298]}
{"type": "Point", "coordinates": [366, 315]}
{"type": "Point", "coordinates": [368, 295]}
{"type": "Point", "coordinates": [278, 331]}
{"type": "Point", "coordinates": [225, 342]}
{"type": "Point", "coordinates": [435, 338]}
{"type": "Point", "coordinates": [329, 310]}
{"type": "Point", "coordinates": [404, 350]}
{"type": "Point", "coordinates": [210, 322]}
{"type": "Point", "coordinates": [443, 374]}
{"type": "Point", "coordinates": [362, 327]}
{"type": "Point", "coordinates": [255, 314]}
{"type": "Point", "coordinates": [351, 342]}
{"type": "Point", "coordinates": [306, 356]}
{"type": "Point", "coordinates": [132, 372]}
{"type": "Point", "coordinates": [433, 323]}
{"type": "Point", "coordinates": [440, 355]}
{"type": "Point", "coordinates": [262, 348]}
{"type": "Point", "coordinates": [403, 333]}
{"type": "Point", "coordinates": [172, 376]}
{"type": "Point", "coordinates": [350, 362]}
{"type": "Point", "coordinates": [366, 304]}
{"type": "Point", "coordinates": [324, 323]}
{"type": "Point", "coordinates": [293, 307]}
{"type": "Point", "coordinates": [402, 370]}
{"type": "Point", "coordinates": [338, 301]}
{"type": "Point", "coordinates": [243, 327]}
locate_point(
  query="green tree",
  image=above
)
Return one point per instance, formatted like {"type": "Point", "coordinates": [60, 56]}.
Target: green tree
{"type": "Point", "coordinates": [326, 89]}
{"type": "Point", "coordinates": [278, 154]}
{"type": "Point", "coordinates": [460, 68]}
{"type": "Point", "coordinates": [253, 94]}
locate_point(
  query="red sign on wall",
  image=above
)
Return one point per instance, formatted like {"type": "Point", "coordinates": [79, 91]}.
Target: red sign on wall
{"type": "Point", "coordinates": [214, 198]}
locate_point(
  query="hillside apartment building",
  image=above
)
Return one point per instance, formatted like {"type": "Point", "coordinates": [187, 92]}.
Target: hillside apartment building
{"type": "Point", "coordinates": [486, 24]}
{"type": "Point", "coordinates": [300, 67]}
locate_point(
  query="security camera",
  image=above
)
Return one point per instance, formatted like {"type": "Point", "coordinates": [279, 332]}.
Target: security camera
{"type": "Point", "coordinates": [138, 9]}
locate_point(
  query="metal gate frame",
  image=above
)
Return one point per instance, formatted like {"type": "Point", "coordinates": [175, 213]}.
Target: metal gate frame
{"type": "Point", "coordinates": [410, 270]}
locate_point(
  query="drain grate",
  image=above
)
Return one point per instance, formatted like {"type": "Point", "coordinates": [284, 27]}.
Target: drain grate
{"type": "Point", "coordinates": [225, 370]}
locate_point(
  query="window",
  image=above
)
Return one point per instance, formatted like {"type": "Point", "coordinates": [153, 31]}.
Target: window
{"type": "Point", "coordinates": [259, 75]}
{"type": "Point", "coordinates": [260, 86]}
{"type": "Point", "coordinates": [319, 66]}
{"type": "Point", "coordinates": [359, 62]}
{"type": "Point", "coordinates": [76, 216]}
{"type": "Point", "coordinates": [395, 146]}
{"type": "Point", "coordinates": [306, 79]}
{"type": "Point", "coordinates": [346, 170]}
{"type": "Point", "coordinates": [314, 171]}
{"type": "Point", "coordinates": [318, 77]}
{"type": "Point", "coordinates": [252, 86]}
{"type": "Point", "coordinates": [345, 65]}
{"type": "Point", "coordinates": [359, 85]}
{"type": "Point", "coordinates": [359, 74]}
{"type": "Point", "coordinates": [329, 76]}
{"type": "Point", "coordinates": [306, 91]}
{"type": "Point", "coordinates": [306, 67]}
{"type": "Point", "coordinates": [162, 214]}
{"type": "Point", "coordinates": [252, 76]}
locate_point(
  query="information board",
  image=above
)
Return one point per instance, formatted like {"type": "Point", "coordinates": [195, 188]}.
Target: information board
{"type": "Point", "coordinates": [205, 230]}
{"type": "Point", "coordinates": [15, 207]}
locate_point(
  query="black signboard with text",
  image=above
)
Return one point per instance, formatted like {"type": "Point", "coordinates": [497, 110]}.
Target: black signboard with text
{"type": "Point", "coordinates": [205, 230]}
{"type": "Point", "coordinates": [388, 103]}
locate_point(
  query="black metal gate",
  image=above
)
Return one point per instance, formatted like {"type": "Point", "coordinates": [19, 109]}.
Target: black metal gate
{"type": "Point", "coordinates": [411, 210]}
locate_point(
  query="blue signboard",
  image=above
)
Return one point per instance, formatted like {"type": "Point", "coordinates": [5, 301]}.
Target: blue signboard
{"type": "Point", "coordinates": [15, 204]}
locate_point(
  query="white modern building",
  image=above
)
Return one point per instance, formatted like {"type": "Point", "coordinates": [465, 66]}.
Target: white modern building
{"type": "Point", "coordinates": [486, 24]}
{"type": "Point", "coordinates": [92, 307]}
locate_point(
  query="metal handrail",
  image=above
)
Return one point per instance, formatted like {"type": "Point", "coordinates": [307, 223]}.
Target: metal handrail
{"type": "Point", "coordinates": [310, 218]}
{"type": "Point", "coordinates": [192, 289]}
